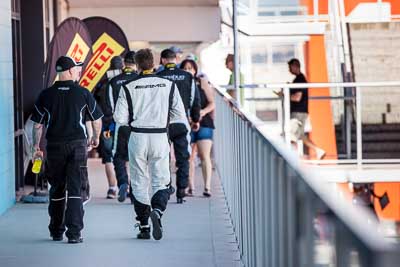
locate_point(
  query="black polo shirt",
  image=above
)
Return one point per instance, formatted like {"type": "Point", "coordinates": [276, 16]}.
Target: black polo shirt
{"type": "Point", "coordinates": [301, 106]}
{"type": "Point", "coordinates": [63, 108]}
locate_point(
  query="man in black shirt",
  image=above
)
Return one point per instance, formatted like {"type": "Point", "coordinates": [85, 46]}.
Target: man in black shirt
{"type": "Point", "coordinates": [299, 109]}
{"type": "Point", "coordinates": [63, 109]}
{"type": "Point", "coordinates": [178, 133]}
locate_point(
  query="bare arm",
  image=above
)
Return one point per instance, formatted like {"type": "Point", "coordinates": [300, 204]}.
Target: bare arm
{"type": "Point", "coordinates": [89, 129]}
{"type": "Point", "coordinates": [96, 126]}
{"type": "Point", "coordinates": [210, 97]}
{"type": "Point", "coordinates": [36, 136]}
{"type": "Point", "coordinates": [296, 97]}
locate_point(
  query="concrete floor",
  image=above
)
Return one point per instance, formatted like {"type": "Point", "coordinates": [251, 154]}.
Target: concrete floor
{"type": "Point", "coordinates": [197, 233]}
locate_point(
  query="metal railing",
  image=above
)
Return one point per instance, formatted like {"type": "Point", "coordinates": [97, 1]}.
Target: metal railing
{"type": "Point", "coordinates": [357, 98]}
{"type": "Point", "coordinates": [282, 215]}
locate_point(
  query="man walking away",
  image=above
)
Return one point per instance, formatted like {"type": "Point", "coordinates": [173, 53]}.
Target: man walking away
{"type": "Point", "coordinates": [122, 132]}
{"type": "Point", "coordinates": [178, 133]}
{"type": "Point", "coordinates": [147, 104]}
{"type": "Point", "coordinates": [299, 109]}
{"type": "Point", "coordinates": [108, 129]}
{"type": "Point", "coordinates": [63, 109]}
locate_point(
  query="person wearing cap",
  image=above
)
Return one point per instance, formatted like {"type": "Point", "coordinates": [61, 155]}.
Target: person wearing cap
{"type": "Point", "coordinates": [63, 109]}
{"type": "Point", "coordinates": [147, 104]}
{"type": "Point", "coordinates": [178, 55]}
{"type": "Point", "coordinates": [108, 129]}
{"type": "Point", "coordinates": [178, 52]}
{"type": "Point", "coordinates": [122, 132]}
{"type": "Point", "coordinates": [178, 133]}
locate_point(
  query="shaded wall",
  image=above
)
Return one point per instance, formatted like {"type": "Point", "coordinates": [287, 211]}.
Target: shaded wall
{"type": "Point", "coordinates": [32, 52]}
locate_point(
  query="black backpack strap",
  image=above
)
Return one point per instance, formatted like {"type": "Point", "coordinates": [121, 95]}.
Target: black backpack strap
{"type": "Point", "coordinates": [130, 105]}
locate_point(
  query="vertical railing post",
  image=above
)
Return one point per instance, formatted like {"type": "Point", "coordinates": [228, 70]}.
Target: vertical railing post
{"type": "Point", "coordinates": [359, 126]}
{"type": "Point", "coordinates": [286, 106]}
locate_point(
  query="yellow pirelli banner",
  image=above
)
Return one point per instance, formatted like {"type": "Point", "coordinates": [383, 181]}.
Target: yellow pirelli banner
{"type": "Point", "coordinates": [104, 49]}
{"type": "Point", "coordinates": [78, 49]}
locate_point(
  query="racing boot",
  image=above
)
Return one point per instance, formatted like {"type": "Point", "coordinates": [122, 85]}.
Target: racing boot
{"type": "Point", "coordinates": [144, 231]}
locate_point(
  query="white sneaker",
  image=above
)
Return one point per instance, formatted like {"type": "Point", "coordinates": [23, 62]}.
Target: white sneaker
{"type": "Point", "coordinates": [320, 153]}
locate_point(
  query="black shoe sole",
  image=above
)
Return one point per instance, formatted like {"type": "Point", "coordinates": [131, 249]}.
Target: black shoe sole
{"type": "Point", "coordinates": [75, 240]}
{"type": "Point", "coordinates": [157, 229]}
{"type": "Point", "coordinates": [143, 237]}
{"type": "Point", "coordinates": [207, 194]}
{"type": "Point", "coordinates": [57, 238]}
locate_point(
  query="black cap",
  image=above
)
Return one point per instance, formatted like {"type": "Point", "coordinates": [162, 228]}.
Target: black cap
{"type": "Point", "coordinates": [130, 57]}
{"type": "Point", "coordinates": [176, 49]}
{"type": "Point", "coordinates": [65, 63]}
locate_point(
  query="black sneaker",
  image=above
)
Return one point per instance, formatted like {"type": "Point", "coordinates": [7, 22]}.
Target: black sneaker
{"type": "Point", "coordinates": [123, 192]}
{"type": "Point", "coordinates": [180, 200]}
{"type": "Point", "coordinates": [144, 232]}
{"type": "Point", "coordinates": [207, 193]}
{"type": "Point", "coordinates": [57, 237]}
{"type": "Point", "coordinates": [111, 194]}
{"type": "Point", "coordinates": [155, 217]}
{"type": "Point", "coordinates": [180, 195]}
{"type": "Point", "coordinates": [75, 240]}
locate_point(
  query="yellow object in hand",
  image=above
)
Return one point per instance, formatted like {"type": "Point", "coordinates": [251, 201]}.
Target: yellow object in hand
{"type": "Point", "coordinates": [37, 165]}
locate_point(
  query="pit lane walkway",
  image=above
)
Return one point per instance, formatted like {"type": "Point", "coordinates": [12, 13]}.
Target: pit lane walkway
{"type": "Point", "coordinates": [197, 233]}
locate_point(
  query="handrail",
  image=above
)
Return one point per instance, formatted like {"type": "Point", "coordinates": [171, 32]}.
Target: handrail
{"type": "Point", "coordinates": [314, 85]}
{"type": "Point", "coordinates": [358, 86]}
{"type": "Point", "coordinates": [258, 167]}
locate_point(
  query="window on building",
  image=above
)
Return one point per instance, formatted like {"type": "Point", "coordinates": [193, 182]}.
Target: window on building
{"type": "Point", "coordinates": [283, 53]}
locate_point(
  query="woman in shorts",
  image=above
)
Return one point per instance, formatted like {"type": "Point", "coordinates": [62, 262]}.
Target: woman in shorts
{"type": "Point", "coordinates": [202, 140]}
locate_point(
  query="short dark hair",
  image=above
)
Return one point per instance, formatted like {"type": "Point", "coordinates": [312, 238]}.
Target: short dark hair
{"type": "Point", "coordinates": [144, 59]}
{"type": "Point", "coordinates": [230, 58]}
{"type": "Point", "coordinates": [116, 63]}
{"type": "Point", "coordinates": [130, 57]}
{"type": "Point", "coordinates": [294, 62]}
{"type": "Point", "coordinates": [193, 63]}
{"type": "Point", "coordinates": [168, 54]}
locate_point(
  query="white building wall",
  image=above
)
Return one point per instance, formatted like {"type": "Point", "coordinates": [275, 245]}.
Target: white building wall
{"type": "Point", "coordinates": [376, 57]}
{"type": "Point", "coordinates": [161, 24]}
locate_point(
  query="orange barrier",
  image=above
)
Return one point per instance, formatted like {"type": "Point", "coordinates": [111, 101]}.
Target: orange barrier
{"type": "Point", "coordinates": [392, 210]}
{"type": "Point", "coordinates": [323, 128]}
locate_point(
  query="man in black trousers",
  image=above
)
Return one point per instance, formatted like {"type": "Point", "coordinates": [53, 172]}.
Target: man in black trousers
{"type": "Point", "coordinates": [63, 109]}
{"type": "Point", "coordinates": [178, 133]}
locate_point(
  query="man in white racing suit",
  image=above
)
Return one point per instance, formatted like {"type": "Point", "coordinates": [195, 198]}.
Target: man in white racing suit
{"type": "Point", "coordinates": [147, 104]}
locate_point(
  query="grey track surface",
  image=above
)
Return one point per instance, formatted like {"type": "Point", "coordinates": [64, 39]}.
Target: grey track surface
{"type": "Point", "coordinates": [197, 233]}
